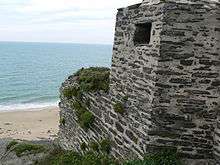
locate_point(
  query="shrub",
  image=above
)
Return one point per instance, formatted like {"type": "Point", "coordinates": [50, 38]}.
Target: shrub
{"type": "Point", "coordinates": [59, 157]}
{"type": "Point", "coordinates": [27, 148]}
{"type": "Point", "coordinates": [73, 158]}
{"type": "Point", "coordinates": [79, 108]}
{"type": "Point", "coordinates": [94, 146]}
{"type": "Point", "coordinates": [62, 121]}
{"type": "Point", "coordinates": [93, 79]}
{"type": "Point", "coordinates": [71, 91]}
{"type": "Point", "coordinates": [163, 158]}
{"type": "Point", "coordinates": [88, 104]}
{"type": "Point", "coordinates": [89, 80]}
{"type": "Point", "coordinates": [125, 98]}
{"type": "Point", "coordinates": [76, 105]}
{"type": "Point", "coordinates": [67, 158]}
{"type": "Point", "coordinates": [83, 146]}
{"type": "Point", "coordinates": [86, 119]}
{"type": "Point", "coordinates": [105, 146]}
{"type": "Point", "coordinates": [166, 157]}
{"type": "Point", "coordinates": [11, 144]}
{"type": "Point", "coordinates": [91, 158]}
{"type": "Point", "coordinates": [119, 107]}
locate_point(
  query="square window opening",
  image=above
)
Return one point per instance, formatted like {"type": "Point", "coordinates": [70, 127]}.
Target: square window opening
{"type": "Point", "coordinates": [142, 33]}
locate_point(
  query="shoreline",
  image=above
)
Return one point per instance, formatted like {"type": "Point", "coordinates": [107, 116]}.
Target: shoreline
{"type": "Point", "coordinates": [28, 106]}
{"type": "Point", "coordinates": [30, 123]}
{"type": "Point", "coordinates": [43, 108]}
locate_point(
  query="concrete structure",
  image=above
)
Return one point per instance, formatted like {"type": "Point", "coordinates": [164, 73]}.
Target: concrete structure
{"type": "Point", "coordinates": [166, 61]}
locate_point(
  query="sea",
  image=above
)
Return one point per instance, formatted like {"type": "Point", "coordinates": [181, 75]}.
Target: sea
{"type": "Point", "coordinates": [31, 73]}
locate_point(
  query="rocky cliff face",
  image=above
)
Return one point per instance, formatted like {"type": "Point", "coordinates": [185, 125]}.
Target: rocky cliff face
{"type": "Point", "coordinates": [164, 87]}
{"type": "Point", "coordinates": [72, 134]}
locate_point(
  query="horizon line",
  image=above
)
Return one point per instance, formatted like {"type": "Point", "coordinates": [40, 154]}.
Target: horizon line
{"type": "Point", "coordinates": [57, 42]}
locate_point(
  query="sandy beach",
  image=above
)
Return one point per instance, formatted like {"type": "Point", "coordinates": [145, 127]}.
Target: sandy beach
{"type": "Point", "coordinates": [30, 124]}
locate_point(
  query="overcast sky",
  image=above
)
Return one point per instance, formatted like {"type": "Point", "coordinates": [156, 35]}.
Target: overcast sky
{"type": "Point", "coordinates": [77, 21]}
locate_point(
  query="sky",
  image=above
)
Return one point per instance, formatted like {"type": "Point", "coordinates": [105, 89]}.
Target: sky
{"type": "Point", "coordinates": [75, 21]}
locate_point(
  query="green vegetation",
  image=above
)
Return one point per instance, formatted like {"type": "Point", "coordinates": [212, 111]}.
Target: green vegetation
{"type": "Point", "coordinates": [119, 107]}
{"type": "Point", "coordinates": [105, 146]}
{"type": "Point", "coordinates": [94, 146]}
{"type": "Point", "coordinates": [73, 158]}
{"type": "Point", "coordinates": [62, 121]}
{"type": "Point", "coordinates": [91, 158]}
{"type": "Point", "coordinates": [79, 108]}
{"type": "Point", "coordinates": [27, 148]}
{"type": "Point", "coordinates": [88, 104]}
{"type": "Point", "coordinates": [93, 79]}
{"type": "Point", "coordinates": [70, 92]}
{"type": "Point", "coordinates": [11, 144]}
{"type": "Point", "coordinates": [59, 157]}
{"type": "Point", "coordinates": [83, 146]}
{"type": "Point", "coordinates": [89, 80]}
{"type": "Point", "coordinates": [86, 120]}
{"type": "Point", "coordinates": [125, 98]}
{"type": "Point", "coordinates": [163, 158]}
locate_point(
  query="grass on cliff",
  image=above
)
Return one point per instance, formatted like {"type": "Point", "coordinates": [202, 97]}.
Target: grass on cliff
{"type": "Point", "coordinates": [86, 120]}
{"type": "Point", "coordinates": [85, 117]}
{"type": "Point", "coordinates": [11, 144]}
{"type": "Point", "coordinates": [90, 80]}
{"type": "Point", "coordinates": [102, 146]}
{"type": "Point", "coordinates": [71, 92]}
{"type": "Point", "coordinates": [162, 158]}
{"type": "Point", "coordinates": [59, 157]}
{"type": "Point", "coordinates": [93, 79]}
{"type": "Point", "coordinates": [22, 148]}
{"type": "Point", "coordinates": [119, 107]}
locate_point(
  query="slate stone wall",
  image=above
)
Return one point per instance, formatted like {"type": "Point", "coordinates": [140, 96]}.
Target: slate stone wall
{"type": "Point", "coordinates": [216, 140]}
{"type": "Point", "coordinates": [187, 88]}
{"type": "Point", "coordinates": [71, 135]}
{"type": "Point", "coordinates": [171, 85]}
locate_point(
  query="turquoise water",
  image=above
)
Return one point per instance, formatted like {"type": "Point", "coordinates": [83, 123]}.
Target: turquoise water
{"type": "Point", "coordinates": [31, 73]}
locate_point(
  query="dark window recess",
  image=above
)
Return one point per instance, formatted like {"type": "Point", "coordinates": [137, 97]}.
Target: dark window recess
{"type": "Point", "coordinates": [143, 33]}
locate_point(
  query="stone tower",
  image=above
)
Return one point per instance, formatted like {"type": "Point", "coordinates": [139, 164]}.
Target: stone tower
{"type": "Point", "coordinates": [166, 62]}
{"type": "Point", "coordinates": [166, 57]}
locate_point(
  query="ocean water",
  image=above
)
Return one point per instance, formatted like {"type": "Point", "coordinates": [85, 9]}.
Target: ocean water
{"type": "Point", "coordinates": [31, 73]}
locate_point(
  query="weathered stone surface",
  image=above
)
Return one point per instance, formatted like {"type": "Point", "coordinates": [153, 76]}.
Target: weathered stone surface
{"type": "Point", "coordinates": [171, 82]}
{"type": "Point", "coordinates": [119, 127]}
